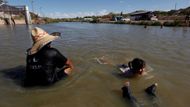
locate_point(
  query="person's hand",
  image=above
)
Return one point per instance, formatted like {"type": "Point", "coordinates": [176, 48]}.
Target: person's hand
{"type": "Point", "coordinates": [68, 71]}
{"type": "Point", "coordinates": [68, 67]}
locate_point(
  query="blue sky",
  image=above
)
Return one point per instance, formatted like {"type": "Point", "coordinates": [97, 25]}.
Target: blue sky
{"type": "Point", "coordinates": [74, 8]}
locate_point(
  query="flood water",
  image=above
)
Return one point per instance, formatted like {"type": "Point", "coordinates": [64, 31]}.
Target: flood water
{"type": "Point", "coordinates": [166, 52]}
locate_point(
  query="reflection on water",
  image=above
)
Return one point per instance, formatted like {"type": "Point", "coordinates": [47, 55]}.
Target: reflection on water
{"type": "Point", "coordinates": [166, 52]}
{"type": "Point", "coordinates": [16, 74]}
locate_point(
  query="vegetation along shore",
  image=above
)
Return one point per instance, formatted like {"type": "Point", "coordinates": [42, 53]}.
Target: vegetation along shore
{"type": "Point", "coordinates": [180, 17]}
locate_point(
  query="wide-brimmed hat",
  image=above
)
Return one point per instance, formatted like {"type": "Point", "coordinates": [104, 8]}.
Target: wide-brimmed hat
{"type": "Point", "coordinates": [40, 38]}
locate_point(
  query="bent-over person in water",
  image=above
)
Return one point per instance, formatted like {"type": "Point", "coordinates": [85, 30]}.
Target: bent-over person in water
{"type": "Point", "coordinates": [134, 68]}
{"type": "Point", "coordinates": [45, 65]}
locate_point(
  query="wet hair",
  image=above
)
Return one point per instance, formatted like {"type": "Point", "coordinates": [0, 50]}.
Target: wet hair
{"type": "Point", "coordinates": [136, 64]}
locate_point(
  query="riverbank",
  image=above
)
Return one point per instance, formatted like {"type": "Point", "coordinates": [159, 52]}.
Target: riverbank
{"type": "Point", "coordinates": [169, 23]}
{"type": "Point", "coordinates": [172, 23]}
{"type": "Point", "coordinates": [22, 22]}
{"type": "Point", "coordinates": [17, 22]}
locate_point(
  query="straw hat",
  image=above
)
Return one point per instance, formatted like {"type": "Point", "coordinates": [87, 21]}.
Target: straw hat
{"type": "Point", "coordinates": [40, 38]}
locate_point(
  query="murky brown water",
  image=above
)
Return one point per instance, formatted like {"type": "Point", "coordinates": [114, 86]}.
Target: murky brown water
{"type": "Point", "coordinates": [166, 51]}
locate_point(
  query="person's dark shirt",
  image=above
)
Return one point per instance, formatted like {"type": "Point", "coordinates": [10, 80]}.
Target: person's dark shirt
{"type": "Point", "coordinates": [42, 66]}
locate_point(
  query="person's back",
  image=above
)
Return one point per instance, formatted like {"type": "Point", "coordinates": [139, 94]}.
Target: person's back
{"type": "Point", "coordinates": [45, 65]}
{"type": "Point", "coordinates": [41, 66]}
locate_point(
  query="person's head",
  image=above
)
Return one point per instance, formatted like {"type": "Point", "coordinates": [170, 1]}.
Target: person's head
{"type": "Point", "coordinates": [137, 65]}
{"type": "Point", "coordinates": [53, 34]}
{"type": "Point", "coordinates": [40, 39]}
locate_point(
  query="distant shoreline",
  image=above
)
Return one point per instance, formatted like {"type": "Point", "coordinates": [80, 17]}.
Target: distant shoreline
{"type": "Point", "coordinates": [170, 23]}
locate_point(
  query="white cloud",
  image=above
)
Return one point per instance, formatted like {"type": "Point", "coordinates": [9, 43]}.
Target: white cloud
{"type": "Point", "coordinates": [77, 14]}
{"type": "Point", "coordinates": [121, 1]}
{"type": "Point", "coordinates": [102, 12]}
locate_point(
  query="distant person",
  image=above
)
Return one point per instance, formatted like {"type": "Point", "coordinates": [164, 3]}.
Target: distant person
{"type": "Point", "coordinates": [45, 65]}
{"type": "Point", "coordinates": [134, 68]}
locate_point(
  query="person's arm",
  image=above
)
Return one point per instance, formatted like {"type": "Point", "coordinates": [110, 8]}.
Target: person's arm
{"type": "Point", "coordinates": [69, 67]}
{"type": "Point", "coordinates": [63, 63]}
